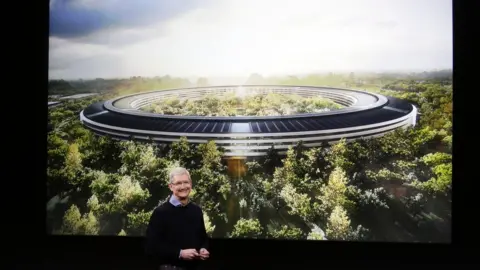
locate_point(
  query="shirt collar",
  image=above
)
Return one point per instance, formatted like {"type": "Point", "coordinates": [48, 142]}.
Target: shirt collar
{"type": "Point", "coordinates": [174, 201]}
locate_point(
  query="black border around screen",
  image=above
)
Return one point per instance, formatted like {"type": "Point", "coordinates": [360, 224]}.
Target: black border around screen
{"type": "Point", "coordinates": [66, 252]}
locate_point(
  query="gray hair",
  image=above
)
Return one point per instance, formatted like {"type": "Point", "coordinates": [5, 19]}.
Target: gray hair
{"type": "Point", "coordinates": [178, 171]}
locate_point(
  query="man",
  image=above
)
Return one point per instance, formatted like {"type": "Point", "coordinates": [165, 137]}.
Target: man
{"type": "Point", "coordinates": [176, 236]}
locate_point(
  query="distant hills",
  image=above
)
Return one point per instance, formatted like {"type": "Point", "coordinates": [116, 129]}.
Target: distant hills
{"type": "Point", "coordinates": [139, 83]}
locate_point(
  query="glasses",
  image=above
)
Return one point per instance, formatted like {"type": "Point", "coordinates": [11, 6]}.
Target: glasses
{"type": "Point", "coordinates": [186, 183]}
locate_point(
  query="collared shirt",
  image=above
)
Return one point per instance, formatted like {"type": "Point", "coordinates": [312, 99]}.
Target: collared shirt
{"type": "Point", "coordinates": [175, 201]}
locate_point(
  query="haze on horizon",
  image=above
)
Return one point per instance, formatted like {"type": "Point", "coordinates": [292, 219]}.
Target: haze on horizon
{"type": "Point", "coordinates": [215, 38]}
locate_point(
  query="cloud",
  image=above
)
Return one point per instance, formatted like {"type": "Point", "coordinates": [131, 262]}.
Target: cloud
{"type": "Point", "coordinates": [68, 20]}
{"type": "Point", "coordinates": [120, 37]}
{"type": "Point", "coordinates": [64, 49]}
{"type": "Point", "coordinates": [67, 59]}
{"type": "Point", "coordinates": [230, 38]}
{"type": "Point", "coordinates": [386, 24]}
{"type": "Point", "coordinates": [79, 18]}
{"type": "Point", "coordinates": [99, 66]}
{"type": "Point", "coordinates": [90, 72]}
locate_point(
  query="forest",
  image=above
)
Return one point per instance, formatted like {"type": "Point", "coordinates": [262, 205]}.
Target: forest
{"type": "Point", "coordinates": [393, 188]}
{"type": "Point", "coordinates": [271, 104]}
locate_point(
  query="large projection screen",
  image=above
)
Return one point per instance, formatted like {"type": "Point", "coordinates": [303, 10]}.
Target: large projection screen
{"type": "Point", "coordinates": [304, 120]}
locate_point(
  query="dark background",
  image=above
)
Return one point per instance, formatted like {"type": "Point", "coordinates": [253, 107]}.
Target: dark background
{"type": "Point", "coordinates": [35, 250]}
{"type": "Point", "coordinates": [80, 252]}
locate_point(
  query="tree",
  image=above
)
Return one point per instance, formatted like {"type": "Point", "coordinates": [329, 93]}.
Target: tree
{"type": "Point", "coordinates": [212, 188]}
{"type": "Point", "coordinates": [285, 174]}
{"type": "Point", "coordinates": [384, 175]}
{"type": "Point", "coordinates": [182, 152]}
{"type": "Point", "coordinates": [72, 221]}
{"type": "Point", "coordinates": [271, 161]}
{"type": "Point", "coordinates": [139, 161]}
{"type": "Point", "coordinates": [93, 203]}
{"type": "Point", "coordinates": [315, 236]}
{"type": "Point", "coordinates": [137, 222]}
{"type": "Point", "coordinates": [298, 203]}
{"type": "Point", "coordinates": [98, 149]}
{"type": "Point", "coordinates": [316, 164]}
{"type": "Point", "coordinates": [253, 193]}
{"type": "Point", "coordinates": [338, 225]}
{"type": "Point", "coordinates": [334, 193]}
{"type": "Point", "coordinates": [73, 163]}
{"type": "Point", "coordinates": [104, 186]}
{"type": "Point", "coordinates": [75, 130]}
{"type": "Point", "coordinates": [118, 196]}
{"type": "Point", "coordinates": [372, 200]}
{"type": "Point", "coordinates": [371, 209]}
{"type": "Point", "coordinates": [407, 143]}
{"type": "Point", "coordinates": [129, 196]}
{"type": "Point", "coordinates": [299, 150]}
{"type": "Point", "coordinates": [442, 182]}
{"type": "Point", "coordinates": [365, 153]}
{"type": "Point", "coordinates": [316, 233]}
{"type": "Point", "coordinates": [247, 228]}
{"type": "Point", "coordinates": [57, 151]}
{"type": "Point", "coordinates": [285, 232]}
{"type": "Point", "coordinates": [434, 159]}
{"type": "Point", "coordinates": [415, 204]}
{"type": "Point", "coordinates": [254, 168]}
{"type": "Point", "coordinates": [209, 227]}
{"type": "Point", "coordinates": [293, 172]}
{"type": "Point", "coordinates": [90, 224]}
{"type": "Point", "coordinates": [211, 155]}
{"type": "Point", "coordinates": [440, 173]}
{"type": "Point", "coordinates": [341, 155]}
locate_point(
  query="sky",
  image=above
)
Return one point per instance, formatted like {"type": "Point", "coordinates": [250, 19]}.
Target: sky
{"type": "Point", "coordinates": [208, 38]}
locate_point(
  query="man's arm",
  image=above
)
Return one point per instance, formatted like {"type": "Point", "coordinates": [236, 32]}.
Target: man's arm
{"type": "Point", "coordinates": [156, 245]}
{"type": "Point", "coordinates": [203, 233]}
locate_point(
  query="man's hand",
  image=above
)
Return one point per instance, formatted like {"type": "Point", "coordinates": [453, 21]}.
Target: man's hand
{"type": "Point", "coordinates": [188, 254]}
{"type": "Point", "coordinates": [204, 254]}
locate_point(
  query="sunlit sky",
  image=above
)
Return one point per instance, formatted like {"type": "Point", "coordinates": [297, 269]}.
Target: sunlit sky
{"type": "Point", "coordinates": [191, 38]}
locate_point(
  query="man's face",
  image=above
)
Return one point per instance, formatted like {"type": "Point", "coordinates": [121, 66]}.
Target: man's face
{"type": "Point", "coordinates": [181, 186]}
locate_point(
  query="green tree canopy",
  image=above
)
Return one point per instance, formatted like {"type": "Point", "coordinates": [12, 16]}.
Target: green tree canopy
{"type": "Point", "coordinates": [286, 232]}
{"type": "Point", "coordinates": [441, 182]}
{"type": "Point", "coordinates": [338, 225]}
{"type": "Point", "coordinates": [341, 155]}
{"type": "Point", "coordinates": [75, 223]}
{"type": "Point", "coordinates": [316, 233]}
{"type": "Point", "coordinates": [139, 161]}
{"type": "Point", "coordinates": [334, 193]}
{"type": "Point", "coordinates": [73, 163]}
{"type": "Point", "coordinates": [137, 222]}
{"type": "Point", "coordinates": [211, 155]}
{"type": "Point", "coordinates": [209, 227]}
{"type": "Point", "coordinates": [298, 203]}
{"type": "Point", "coordinates": [128, 196]}
{"type": "Point", "coordinates": [182, 151]}
{"type": "Point", "coordinates": [247, 228]}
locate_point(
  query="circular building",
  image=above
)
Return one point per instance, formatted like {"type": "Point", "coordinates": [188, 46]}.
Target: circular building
{"type": "Point", "coordinates": [364, 115]}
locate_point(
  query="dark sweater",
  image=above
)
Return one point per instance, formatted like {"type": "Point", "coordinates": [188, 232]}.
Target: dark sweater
{"type": "Point", "coordinates": [173, 228]}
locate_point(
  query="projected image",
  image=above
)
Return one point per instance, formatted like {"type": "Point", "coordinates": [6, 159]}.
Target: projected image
{"type": "Point", "coordinates": [307, 120]}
